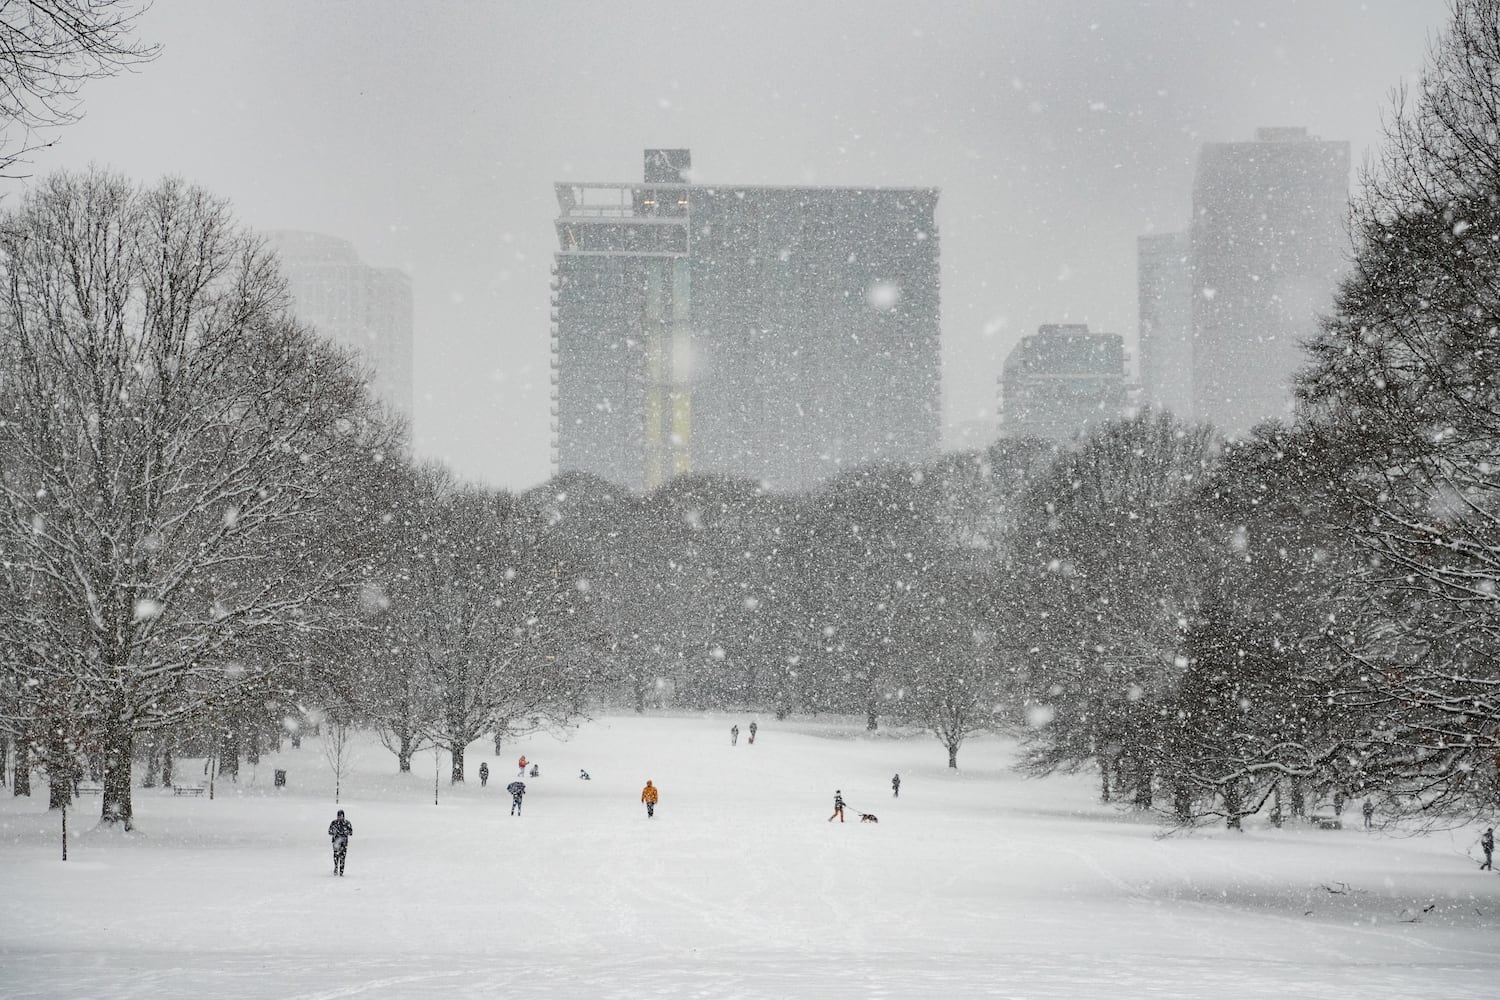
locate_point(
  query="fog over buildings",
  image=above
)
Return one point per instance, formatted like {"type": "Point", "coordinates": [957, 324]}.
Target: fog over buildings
{"type": "Point", "coordinates": [430, 138]}
{"type": "Point", "coordinates": [779, 334]}
{"type": "Point", "coordinates": [365, 308]}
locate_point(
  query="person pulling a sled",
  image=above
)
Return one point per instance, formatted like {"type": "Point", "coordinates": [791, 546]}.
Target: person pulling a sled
{"type": "Point", "coordinates": [340, 830]}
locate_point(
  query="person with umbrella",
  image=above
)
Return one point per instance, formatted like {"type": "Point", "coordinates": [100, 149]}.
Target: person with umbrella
{"type": "Point", "coordinates": [516, 789]}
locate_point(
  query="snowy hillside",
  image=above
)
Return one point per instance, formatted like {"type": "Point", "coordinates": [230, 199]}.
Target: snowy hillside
{"type": "Point", "coordinates": [975, 883]}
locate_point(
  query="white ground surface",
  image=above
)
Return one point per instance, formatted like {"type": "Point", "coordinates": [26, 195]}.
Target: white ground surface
{"type": "Point", "coordinates": [977, 883]}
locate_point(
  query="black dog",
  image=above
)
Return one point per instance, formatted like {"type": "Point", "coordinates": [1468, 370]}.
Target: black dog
{"type": "Point", "coordinates": [868, 818]}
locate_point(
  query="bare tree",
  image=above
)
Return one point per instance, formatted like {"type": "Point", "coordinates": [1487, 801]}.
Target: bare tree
{"type": "Point", "coordinates": [1404, 375]}
{"type": "Point", "coordinates": [338, 750]}
{"type": "Point", "coordinates": [178, 453]}
{"type": "Point", "coordinates": [48, 50]}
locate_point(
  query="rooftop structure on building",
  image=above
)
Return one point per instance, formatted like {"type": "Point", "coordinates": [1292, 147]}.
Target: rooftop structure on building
{"type": "Point", "coordinates": [780, 334]}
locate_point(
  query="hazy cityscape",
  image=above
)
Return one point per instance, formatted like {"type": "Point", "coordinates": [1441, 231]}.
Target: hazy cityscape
{"type": "Point", "coordinates": [980, 499]}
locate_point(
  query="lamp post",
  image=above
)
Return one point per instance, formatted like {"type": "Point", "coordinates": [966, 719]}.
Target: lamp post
{"type": "Point", "coordinates": [437, 769]}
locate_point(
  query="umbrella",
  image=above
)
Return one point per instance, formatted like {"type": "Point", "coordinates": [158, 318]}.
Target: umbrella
{"type": "Point", "coordinates": [516, 787]}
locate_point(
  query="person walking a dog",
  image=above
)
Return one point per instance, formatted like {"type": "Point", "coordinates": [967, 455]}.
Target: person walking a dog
{"type": "Point", "coordinates": [838, 806]}
{"type": "Point", "coordinates": [650, 795]}
{"type": "Point", "coordinates": [340, 830]}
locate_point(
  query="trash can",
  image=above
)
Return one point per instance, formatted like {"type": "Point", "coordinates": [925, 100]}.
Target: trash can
{"type": "Point", "coordinates": [280, 779]}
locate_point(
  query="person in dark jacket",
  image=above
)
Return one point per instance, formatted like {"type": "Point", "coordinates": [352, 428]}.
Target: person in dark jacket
{"type": "Point", "coordinates": [1369, 812]}
{"type": "Point", "coordinates": [340, 830]}
{"type": "Point", "coordinates": [516, 789]}
{"type": "Point", "coordinates": [838, 806]}
{"type": "Point", "coordinates": [484, 775]}
{"type": "Point", "coordinates": [753, 728]}
{"type": "Point", "coordinates": [1487, 842]}
{"type": "Point", "coordinates": [734, 734]}
{"type": "Point", "coordinates": [896, 787]}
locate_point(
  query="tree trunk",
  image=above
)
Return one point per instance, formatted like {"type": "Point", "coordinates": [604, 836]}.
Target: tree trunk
{"type": "Point", "coordinates": [252, 745]}
{"type": "Point", "coordinates": [1299, 799]}
{"type": "Point", "coordinates": [1145, 796]}
{"type": "Point", "coordinates": [4, 757]}
{"type": "Point", "coordinates": [1182, 804]}
{"type": "Point", "coordinates": [1103, 778]}
{"type": "Point", "coordinates": [456, 776]}
{"type": "Point", "coordinates": [166, 766]}
{"type": "Point", "coordinates": [229, 754]}
{"type": "Point", "coordinates": [59, 786]}
{"type": "Point", "coordinates": [297, 740]}
{"type": "Point", "coordinates": [953, 755]}
{"type": "Point", "coordinates": [118, 746]}
{"type": "Point", "coordinates": [1232, 805]}
{"type": "Point", "coordinates": [872, 719]}
{"type": "Point", "coordinates": [148, 780]}
{"type": "Point", "coordinates": [22, 783]}
{"type": "Point", "coordinates": [403, 754]}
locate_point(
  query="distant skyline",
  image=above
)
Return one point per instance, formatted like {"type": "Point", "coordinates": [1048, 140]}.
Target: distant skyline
{"type": "Point", "coordinates": [429, 135]}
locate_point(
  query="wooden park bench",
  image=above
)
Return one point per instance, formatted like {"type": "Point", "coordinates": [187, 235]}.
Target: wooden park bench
{"type": "Point", "coordinates": [90, 788]}
{"type": "Point", "coordinates": [1324, 822]}
{"type": "Point", "coordinates": [188, 789]}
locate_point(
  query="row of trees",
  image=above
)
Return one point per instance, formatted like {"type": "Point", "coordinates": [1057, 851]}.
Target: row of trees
{"type": "Point", "coordinates": [208, 530]}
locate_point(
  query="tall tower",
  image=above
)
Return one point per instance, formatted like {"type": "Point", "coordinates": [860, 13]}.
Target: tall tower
{"type": "Point", "coordinates": [1269, 244]}
{"type": "Point", "coordinates": [777, 334]}
{"type": "Point", "coordinates": [1060, 381]}
{"type": "Point", "coordinates": [1164, 294]}
{"type": "Point", "coordinates": [365, 308]}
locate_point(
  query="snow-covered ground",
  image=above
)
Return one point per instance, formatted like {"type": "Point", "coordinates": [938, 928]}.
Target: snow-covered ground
{"type": "Point", "coordinates": [974, 883]}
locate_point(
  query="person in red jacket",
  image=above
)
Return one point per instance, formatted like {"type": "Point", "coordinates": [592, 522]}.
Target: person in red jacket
{"type": "Point", "coordinates": [649, 795]}
{"type": "Point", "coordinates": [523, 762]}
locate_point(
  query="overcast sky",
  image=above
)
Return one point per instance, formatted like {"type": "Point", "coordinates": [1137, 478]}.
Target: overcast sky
{"type": "Point", "coordinates": [429, 134]}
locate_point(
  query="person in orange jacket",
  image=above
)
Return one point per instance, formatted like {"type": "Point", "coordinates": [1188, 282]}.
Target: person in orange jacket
{"type": "Point", "coordinates": [649, 795]}
{"type": "Point", "coordinates": [523, 762]}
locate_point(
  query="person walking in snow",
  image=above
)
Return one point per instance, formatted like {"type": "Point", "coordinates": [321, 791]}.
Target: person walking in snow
{"type": "Point", "coordinates": [523, 762]}
{"type": "Point", "coordinates": [896, 787]}
{"type": "Point", "coordinates": [734, 735]}
{"type": "Point", "coordinates": [1369, 810]}
{"type": "Point", "coordinates": [516, 789]}
{"type": "Point", "coordinates": [650, 795]}
{"type": "Point", "coordinates": [484, 775]}
{"type": "Point", "coordinates": [838, 806]}
{"type": "Point", "coordinates": [753, 727]}
{"type": "Point", "coordinates": [340, 830]}
{"type": "Point", "coordinates": [1487, 843]}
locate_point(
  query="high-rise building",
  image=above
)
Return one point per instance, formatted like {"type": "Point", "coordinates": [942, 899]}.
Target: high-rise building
{"type": "Point", "coordinates": [353, 304]}
{"type": "Point", "coordinates": [776, 333]}
{"type": "Point", "coordinates": [1164, 288]}
{"type": "Point", "coordinates": [1269, 244]}
{"type": "Point", "coordinates": [1062, 380]}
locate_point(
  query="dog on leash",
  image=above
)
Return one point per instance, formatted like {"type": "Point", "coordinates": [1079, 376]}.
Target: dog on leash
{"type": "Point", "coordinates": [868, 818]}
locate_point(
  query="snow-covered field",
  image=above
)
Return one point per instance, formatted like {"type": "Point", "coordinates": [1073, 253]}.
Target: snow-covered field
{"type": "Point", "coordinates": [975, 883]}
